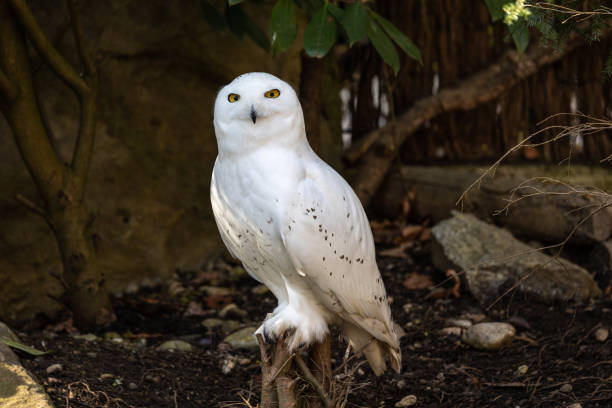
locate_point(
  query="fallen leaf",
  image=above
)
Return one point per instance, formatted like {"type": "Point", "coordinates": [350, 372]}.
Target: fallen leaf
{"type": "Point", "coordinates": [456, 287]}
{"type": "Point", "coordinates": [217, 301]}
{"type": "Point", "coordinates": [194, 309]}
{"type": "Point", "coordinates": [417, 281]}
{"type": "Point", "coordinates": [397, 252]}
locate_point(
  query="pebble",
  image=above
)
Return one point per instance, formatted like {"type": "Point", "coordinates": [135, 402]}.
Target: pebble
{"type": "Point", "coordinates": [228, 364]}
{"type": "Point", "coordinates": [566, 388]}
{"type": "Point", "coordinates": [601, 334]}
{"type": "Point", "coordinates": [171, 345]}
{"type": "Point", "coordinates": [463, 323]}
{"type": "Point", "coordinates": [53, 368]}
{"type": "Point", "coordinates": [243, 338]}
{"type": "Point", "coordinates": [456, 331]}
{"type": "Point", "coordinates": [92, 354]}
{"type": "Point", "coordinates": [407, 401]}
{"type": "Point", "coordinates": [86, 337]}
{"type": "Point", "coordinates": [489, 336]}
{"type": "Point", "coordinates": [260, 290]}
{"type": "Point", "coordinates": [232, 310]}
{"type": "Point", "coordinates": [575, 405]}
{"type": "Point", "coordinates": [132, 386]}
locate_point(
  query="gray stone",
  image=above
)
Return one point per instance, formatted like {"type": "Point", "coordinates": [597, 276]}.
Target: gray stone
{"type": "Point", "coordinates": [54, 368]}
{"type": "Point", "coordinates": [493, 261]}
{"type": "Point", "coordinates": [243, 338]}
{"type": "Point", "coordinates": [227, 326]}
{"type": "Point", "coordinates": [86, 337]}
{"type": "Point", "coordinates": [489, 336]}
{"type": "Point", "coordinates": [174, 345]}
{"type": "Point", "coordinates": [232, 310]}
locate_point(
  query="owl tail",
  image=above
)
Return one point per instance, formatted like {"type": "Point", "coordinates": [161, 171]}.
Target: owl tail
{"type": "Point", "coordinates": [377, 352]}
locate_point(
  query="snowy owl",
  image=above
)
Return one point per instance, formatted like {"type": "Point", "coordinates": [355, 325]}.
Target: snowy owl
{"type": "Point", "coordinates": [296, 224]}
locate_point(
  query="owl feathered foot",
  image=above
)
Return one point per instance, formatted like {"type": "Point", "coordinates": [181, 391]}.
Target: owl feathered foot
{"type": "Point", "coordinates": [297, 328]}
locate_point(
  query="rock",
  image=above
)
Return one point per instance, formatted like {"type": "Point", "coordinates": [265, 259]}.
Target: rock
{"type": "Point", "coordinates": [260, 290]}
{"type": "Point", "coordinates": [601, 334]}
{"type": "Point", "coordinates": [54, 368]}
{"type": "Point", "coordinates": [600, 263]}
{"type": "Point", "coordinates": [486, 254]}
{"type": "Point", "coordinates": [19, 390]}
{"type": "Point", "coordinates": [489, 336]}
{"type": "Point", "coordinates": [455, 331]}
{"type": "Point", "coordinates": [132, 386]}
{"type": "Point", "coordinates": [86, 337]}
{"type": "Point", "coordinates": [566, 388]}
{"type": "Point", "coordinates": [232, 310]}
{"type": "Point", "coordinates": [243, 338]}
{"type": "Point", "coordinates": [407, 401]}
{"type": "Point", "coordinates": [171, 345]}
{"type": "Point", "coordinates": [227, 326]}
{"type": "Point", "coordinates": [575, 405]}
{"type": "Point", "coordinates": [463, 323]}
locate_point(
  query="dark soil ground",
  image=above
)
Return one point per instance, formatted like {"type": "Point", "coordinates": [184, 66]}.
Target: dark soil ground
{"type": "Point", "coordinates": [563, 362]}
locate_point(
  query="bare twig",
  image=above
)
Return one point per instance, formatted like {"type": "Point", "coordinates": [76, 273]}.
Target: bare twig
{"type": "Point", "coordinates": [305, 371]}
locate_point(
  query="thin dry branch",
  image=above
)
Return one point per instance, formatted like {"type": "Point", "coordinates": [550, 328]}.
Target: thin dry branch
{"type": "Point", "coordinates": [593, 125]}
{"type": "Point", "coordinates": [305, 371]}
{"type": "Point", "coordinates": [570, 12]}
{"type": "Point", "coordinates": [58, 63]}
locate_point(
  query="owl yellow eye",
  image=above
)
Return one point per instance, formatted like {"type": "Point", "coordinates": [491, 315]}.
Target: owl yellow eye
{"type": "Point", "coordinates": [272, 93]}
{"type": "Point", "coordinates": [233, 97]}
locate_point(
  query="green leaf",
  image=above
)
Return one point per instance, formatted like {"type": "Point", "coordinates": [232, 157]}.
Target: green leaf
{"type": "Point", "coordinates": [283, 25]}
{"type": "Point", "coordinates": [233, 2]}
{"type": "Point", "coordinates": [520, 35]}
{"type": "Point", "coordinates": [496, 8]}
{"type": "Point", "coordinates": [320, 33]}
{"type": "Point", "coordinates": [400, 38]}
{"type": "Point", "coordinates": [354, 22]}
{"type": "Point", "coordinates": [22, 347]}
{"type": "Point", "coordinates": [212, 16]}
{"type": "Point", "coordinates": [240, 24]}
{"type": "Point", "coordinates": [335, 11]}
{"type": "Point", "coordinates": [383, 45]}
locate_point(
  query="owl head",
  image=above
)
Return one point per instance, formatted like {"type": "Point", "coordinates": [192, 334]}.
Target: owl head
{"type": "Point", "coordinates": [255, 109]}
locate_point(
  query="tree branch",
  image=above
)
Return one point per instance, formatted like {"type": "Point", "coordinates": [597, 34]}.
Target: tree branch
{"type": "Point", "coordinates": [77, 31]}
{"type": "Point", "coordinates": [63, 69]}
{"type": "Point", "coordinates": [7, 88]}
{"type": "Point", "coordinates": [374, 150]}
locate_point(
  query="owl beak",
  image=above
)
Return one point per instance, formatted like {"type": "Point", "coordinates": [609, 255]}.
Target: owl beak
{"type": "Point", "coordinates": [253, 114]}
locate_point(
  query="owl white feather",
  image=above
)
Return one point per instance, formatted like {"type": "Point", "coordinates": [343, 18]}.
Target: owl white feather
{"type": "Point", "coordinates": [296, 224]}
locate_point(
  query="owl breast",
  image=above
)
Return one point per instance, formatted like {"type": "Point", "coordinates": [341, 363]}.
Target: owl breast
{"type": "Point", "coordinates": [246, 201]}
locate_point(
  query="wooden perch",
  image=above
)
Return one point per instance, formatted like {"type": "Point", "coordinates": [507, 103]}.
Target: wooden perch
{"type": "Point", "coordinates": [376, 150]}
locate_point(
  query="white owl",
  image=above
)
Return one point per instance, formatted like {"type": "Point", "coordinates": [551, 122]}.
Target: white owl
{"type": "Point", "coordinates": [296, 224]}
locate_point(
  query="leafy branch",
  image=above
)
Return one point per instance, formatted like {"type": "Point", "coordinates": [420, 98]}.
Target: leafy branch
{"type": "Point", "coordinates": [329, 22]}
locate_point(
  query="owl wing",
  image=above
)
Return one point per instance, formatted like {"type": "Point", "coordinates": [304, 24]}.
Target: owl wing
{"type": "Point", "coordinates": [328, 239]}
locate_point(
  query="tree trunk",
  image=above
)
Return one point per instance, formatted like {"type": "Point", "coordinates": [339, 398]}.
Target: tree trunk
{"type": "Point", "coordinates": [310, 97]}
{"type": "Point", "coordinates": [61, 187]}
